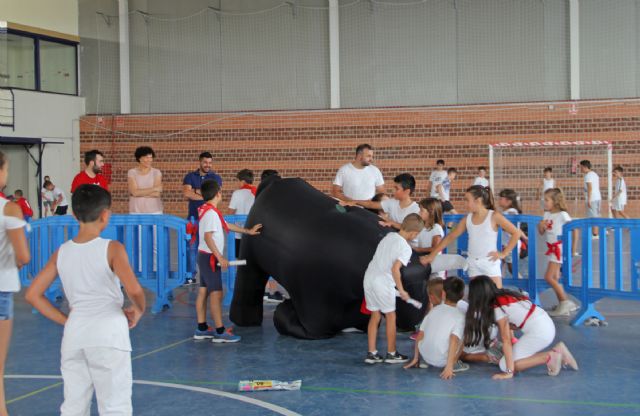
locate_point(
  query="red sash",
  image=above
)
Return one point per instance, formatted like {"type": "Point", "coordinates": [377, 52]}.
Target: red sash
{"type": "Point", "coordinates": [252, 188]}
{"type": "Point", "coordinates": [554, 249]}
{"type": "Point", "coordinates": [208, 207]}
{"type": "Point", "coordinates": [506, 300]}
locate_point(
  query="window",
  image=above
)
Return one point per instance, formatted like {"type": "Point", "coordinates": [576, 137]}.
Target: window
{"type": "Point", "coordinates": [20, 64]}
{"type": "Point", "coordinates": [36, 62]}
{"type": "Point", "coordinates": [57, 67]}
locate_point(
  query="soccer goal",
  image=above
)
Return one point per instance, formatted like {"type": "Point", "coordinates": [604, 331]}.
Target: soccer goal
{"type": "Point", "coordinates": [519, 166]}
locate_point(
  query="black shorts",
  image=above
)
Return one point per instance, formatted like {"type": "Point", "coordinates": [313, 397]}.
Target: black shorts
{"type": "Point", "coordinates": [209, 278]}
{"type": "Point", "coordinates": [61, 210]}
{"type": "Point", "coordinates": [447, 206]}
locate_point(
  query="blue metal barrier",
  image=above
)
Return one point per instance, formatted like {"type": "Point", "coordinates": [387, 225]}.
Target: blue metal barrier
{"type": "Point", "coordinates": [524, 273]}
{"type": "Point", "coordinates": [618, 273]}
{"type": "Point", "coordinates": [156, 246]}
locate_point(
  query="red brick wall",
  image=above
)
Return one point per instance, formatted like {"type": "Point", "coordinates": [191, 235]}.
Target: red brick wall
{"type": "Point", "coordinates": [313, 144]}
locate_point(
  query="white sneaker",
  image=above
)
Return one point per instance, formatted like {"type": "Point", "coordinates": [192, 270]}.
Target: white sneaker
{"type": "Point", "coordinates": [567, 357]}
{"type": "Point", "coordinates": [573, 306]}
{"type": "Point", "coordinates": [563, 309]}
{"type": "Point", "coordinates": [554, 363]}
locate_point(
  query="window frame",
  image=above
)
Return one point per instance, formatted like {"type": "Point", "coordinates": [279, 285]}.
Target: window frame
{"type": "Point", "coordinates": [36, 50]}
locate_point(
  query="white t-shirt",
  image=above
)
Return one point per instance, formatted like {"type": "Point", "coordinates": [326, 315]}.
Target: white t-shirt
{"type": "Point", "coordinates": [359, 184]}
{"type": "Point", "coordinates": [547, 184]}
{"type": "Point", "coordinates": [621, 187]}
{"type": "Point", "coordinates": [9, 276]}
{"type": "Point", "coordinates": [446, 189]}
{"type": "Point", "coordinates": [515, 310]}
{"type": "Point", "coordinates": [594, 179]}
{"type": "Point", "coordinates": [554, 226]}
{"type": "Point", "coordinates": [425, 238]}
{"type": "Point", "coordinates": [436, 178]}
{"type": "Point", "coordinates": [241, 200]}
{"type": "Point", "coordinates": [391, 248]}
{"type": "Point", "coordinates": [438, 325]}
{"type": "Point", "coordinates": [47, 195]}
{"type": "Point", "coordinates": [397, 214]}
{"type": "Point", "coordinates": [210, 222]}
{"type": "Point", "coordinates": [56, 194]}
{"type": "Point", "coordinates": [481, 181]}
{"type": "Point", "coordinates": [95, 297]}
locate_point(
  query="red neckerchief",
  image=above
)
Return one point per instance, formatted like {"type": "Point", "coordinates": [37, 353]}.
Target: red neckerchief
{"type": "Point", "coordinates": [554, 249]}
{"type": "Point", "coordinates": [208, 207]}
{"type": "Point", "coordinates": [252, 188]}
{"type": "Point", "coordinates": [506, 300]}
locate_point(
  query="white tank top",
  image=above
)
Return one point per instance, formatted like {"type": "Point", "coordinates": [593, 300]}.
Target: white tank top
{"type": "Point", "coordinates": [95, 297]}
{"type": "Point", "coordinates": [483, 239]}
{"type": "Point", "coordinates": [548, 184]}
{"type": "Point", "coordinates": [9, 277]}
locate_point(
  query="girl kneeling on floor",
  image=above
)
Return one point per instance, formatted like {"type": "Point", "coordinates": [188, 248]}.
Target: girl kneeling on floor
{"type": "Point", "coordinates": [488, 304]}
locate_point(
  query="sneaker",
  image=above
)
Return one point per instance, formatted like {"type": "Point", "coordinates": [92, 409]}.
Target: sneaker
{"type": "Point", "coordinates": [395, 358]}
{"type": "Point", "coordinates": [494, 352]}
{"type": "Point", "coordinates": [190, 281]}
{"type": "Point", "coordinates": [563, 309]}
{"type": "Point", "coordinates": [422, 364]}
{"type": "Point", "coordinates": [459, 367]}
{"type": "Point", "coordinates": [567, 357]}
{"type": "Point", "coordinates": [274, 298]}
{"type": "Point", "coordinates": [554, 363]}
{"type": "Point", "coordinates": [373, 358]}
{"type": "Point", "coordinates": [226, 337]}
{"type": "Point", "coordinates": [207, 334]}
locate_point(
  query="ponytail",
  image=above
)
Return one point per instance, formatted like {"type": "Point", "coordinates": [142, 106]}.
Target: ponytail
{"type": "Point", "coordinates": [513, 197]}
{"type": "Point", "coordinates": [484, 193]}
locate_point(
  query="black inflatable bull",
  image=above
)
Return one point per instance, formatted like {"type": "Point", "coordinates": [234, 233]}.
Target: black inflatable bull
{"type": "Point", "coordinates": [318, 251]}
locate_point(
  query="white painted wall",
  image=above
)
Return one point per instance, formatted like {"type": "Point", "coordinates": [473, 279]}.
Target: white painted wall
{"type": "Point", "coordinates": [51, 117]}
{"type": "Point", "coordinates": [57, 15]}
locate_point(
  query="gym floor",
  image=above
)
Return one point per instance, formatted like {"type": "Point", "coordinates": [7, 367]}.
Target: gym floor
{"type": "Point", "coordinates": [175, 374]}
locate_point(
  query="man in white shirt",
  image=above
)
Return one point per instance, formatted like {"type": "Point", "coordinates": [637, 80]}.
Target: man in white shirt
{"type": "Point", "coordinates": [358, 180]}
{"type": "Point", "coordinates": [436, 178]}
{"type": "Point", "coordinates": [592, 192]}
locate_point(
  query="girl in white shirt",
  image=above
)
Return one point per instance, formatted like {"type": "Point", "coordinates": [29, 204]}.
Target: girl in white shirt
{"type": "Point", "coordinates": [509, 202]}
{"type": "Point", "coordinates": [550, 227]}
{"type": "Point", "coordinates": [482, 225]}
{"type": "Point", "coordinates": [14, 253]}
{"type": "Point", "coordinates": [508, 309]}
{"type": "Point", "coordinates": [619, 199]}
{"type": "Point", "coordinates": [431, 235]}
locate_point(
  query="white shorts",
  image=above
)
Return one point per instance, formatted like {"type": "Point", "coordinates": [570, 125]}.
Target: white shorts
{"type": "Point", "coordinates": [537, 334]}
{"type": "Point", "coordinates": [616, 205]}
{"type": "Point", "coordinates": [107, 370]}
{"type": "Point", "coordinates": [552, 257]}
{"type": "Point", "coordinates": [484, 267]}
{"type": "Point", "coordinates": [380, 296]}
{"type": "Point", "coordinates": [594, 210]}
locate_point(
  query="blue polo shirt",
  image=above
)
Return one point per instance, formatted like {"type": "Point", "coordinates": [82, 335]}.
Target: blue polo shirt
{"type": "Point", "coordinates": [195, 179]}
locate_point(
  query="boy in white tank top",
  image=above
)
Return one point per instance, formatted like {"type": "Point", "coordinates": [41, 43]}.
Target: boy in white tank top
{"type": "Point", "coordinates": [96, 349]}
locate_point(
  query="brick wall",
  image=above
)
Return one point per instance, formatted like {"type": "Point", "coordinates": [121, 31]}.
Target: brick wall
{"type": "Point", "coordinates": [313, 144]}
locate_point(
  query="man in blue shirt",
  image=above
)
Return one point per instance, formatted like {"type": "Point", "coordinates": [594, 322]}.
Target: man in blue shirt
{"type": "Point", "coordinates": [191, 190]}
{"type": "Point", "coordinates": [193, 180]}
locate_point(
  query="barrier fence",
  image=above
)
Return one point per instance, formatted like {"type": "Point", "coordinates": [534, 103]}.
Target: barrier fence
{"type": "Point", "coordinates": [162, 253]}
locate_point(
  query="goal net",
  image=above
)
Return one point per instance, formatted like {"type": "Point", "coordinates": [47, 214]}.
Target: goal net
{"type": "Point", "coordinates": [519, 166]}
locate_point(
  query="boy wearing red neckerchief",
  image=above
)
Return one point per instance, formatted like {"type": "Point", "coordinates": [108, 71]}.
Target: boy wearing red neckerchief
{"type": "Point", "coordinates": [242, 199]}
{"type": "Point", "coordinates": [211, 262]}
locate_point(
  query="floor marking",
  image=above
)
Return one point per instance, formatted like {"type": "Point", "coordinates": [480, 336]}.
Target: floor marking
{"type": "Point", "coordinates": [265, 405]}
{"type": "Point", "coordinates": [166, 347]}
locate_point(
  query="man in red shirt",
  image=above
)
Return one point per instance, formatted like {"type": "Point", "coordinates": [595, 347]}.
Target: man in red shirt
{"type": "Point", "coordinates": [18, 198]}
{"type": "Point", "coordinates": [94, 161]}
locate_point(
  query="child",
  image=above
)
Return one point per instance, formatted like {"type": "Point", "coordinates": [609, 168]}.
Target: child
{"type": "Point", "coordinates": [47, 198]}
{"type": "Point", "coordinates": [489, 304]}
{"type": "Point", "coordinates": [18, 198]}
{"type": "Point", "coordinates": [60, 204]}
{"type": "Point", "coordinates": [431, 214]}
{"type": "Point", "coordinates": [380, 282]}
{"type": "Point", "coordinates": [619, 199]}
{"type": "Point", "coordinates": [439, 341]}
{"type": "Point", "coordinates": [211, 263]}
{"type": "Point", "coordinates": [444, 191]}
{"type": "Point", "coordinates": [555, 217]}
{"type": "Point", "coordinates": [548, 182]}
{"type": "Point", "coordinates": [481, 178]}
{"type": "Point", "coordinates": [400, 205]}
{"type": "Point", "coordinates": [592, 193]}
{"type": "Point", "coordinates": [14, 253]}
{"type": "Point", "coordinates": [242, 199]}
{"type": "Point", "coordinates": [96, 349]}
{"type": "Point", "coordinates": [436, 178]}
{"type": "Point", "coordinates": [509, 202]}
{"type": "Point", "coordinates": [482, 225]}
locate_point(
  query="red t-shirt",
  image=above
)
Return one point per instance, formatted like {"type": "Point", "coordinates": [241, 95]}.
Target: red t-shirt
{"type": "Point", "coordinates": [83, 179]}
{"type": "Point", "coordinates": [25, 207]}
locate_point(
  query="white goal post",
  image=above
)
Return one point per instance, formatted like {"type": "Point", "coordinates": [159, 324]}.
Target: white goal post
{"type": "Point", "coordinates": [519, 165]}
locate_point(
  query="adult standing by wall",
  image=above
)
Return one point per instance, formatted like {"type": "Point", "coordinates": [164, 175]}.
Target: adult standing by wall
{"type": "Point", "coordinates": [593, 198]}
{"type": "Point", "coordinates": [193, 181]}
{"type": "Point", "coordinates": [358, 180]}
{"type": "Point", "coordinates": [92, 174]}
{"type": "Point", "coordinates": [145, 184]}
